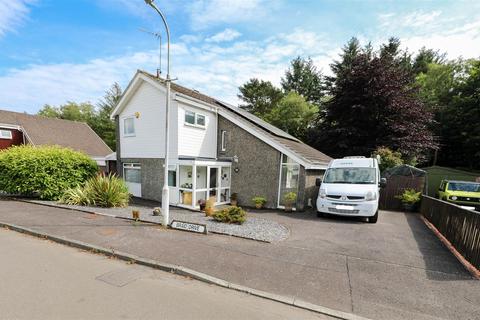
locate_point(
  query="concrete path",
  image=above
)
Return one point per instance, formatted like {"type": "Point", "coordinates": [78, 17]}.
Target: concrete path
{"type": "Point", "coordinates": [45, 280]}
{"type": "Point", "coordinates": [395, 269]}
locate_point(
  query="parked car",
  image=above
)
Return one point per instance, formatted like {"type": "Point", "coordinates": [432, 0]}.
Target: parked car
{"type": "Point", "coordinates": [350, 187]}
{"type": "Point", "coordinates": [465, 193]}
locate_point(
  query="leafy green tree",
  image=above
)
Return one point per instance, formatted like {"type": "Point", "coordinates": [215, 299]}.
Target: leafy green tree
{"type": "Point", "coordinates": [304, 78]}
{"type": "Point", "coordinates": [98, 118]}
{"type": "Point", "coordinates": [424, 58]}
{"type": "Point", "coordinates": [104, 126]}
{"type": "Point", "coordinates": [437, 84]}
{"type": "Point", "coordinates": [259, 96]}
{"type": "Point", "coordinates": [83, 112]}
{"type": "Point", "coordinates": [293, 114]}
{"type": "Point", "coordinates": [460, 120]}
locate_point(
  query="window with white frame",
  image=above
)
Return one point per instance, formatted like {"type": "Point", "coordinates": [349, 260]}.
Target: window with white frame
{"type": "Point", "coordinates": [129, 127]}
{"type": "Point", "coordinates": [224, 140]}
{"type": "Point", "coordinates": [195, 119]}
{"type": "Point", "coordinates": [5, 134]}
{"type": "Point", "coordinates": [132, 173]}
{"type": "Point", "coordinates": [190, 117]}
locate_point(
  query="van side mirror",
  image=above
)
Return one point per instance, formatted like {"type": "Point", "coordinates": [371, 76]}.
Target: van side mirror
{"type": "Point", "coordinates": [383, 182]}
{"type": "Point", "coordinates": [318, 182]}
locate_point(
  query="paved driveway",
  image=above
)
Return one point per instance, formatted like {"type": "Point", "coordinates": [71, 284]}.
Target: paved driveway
{"type": "Point", "coordinates": [395, 269]}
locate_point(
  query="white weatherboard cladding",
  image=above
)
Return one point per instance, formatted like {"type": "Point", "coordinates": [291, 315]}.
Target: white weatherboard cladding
{"type": "Point", "coordinates": [149, 138]}
{"type": "Point", "coordinates": [195, 141]}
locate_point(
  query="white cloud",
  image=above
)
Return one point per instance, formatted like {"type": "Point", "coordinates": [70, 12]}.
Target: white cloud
{"type": "Point", "coordinates": [413, 19]}
{"type": "Point", "coordinates": [205, 13]}
{"type": "Point", "coordinates": [30, 88]}
{"type": "Point", "coordinates": [455, 35]}
{"type": "Point", "coordinates": [12, 14]}
{"type": "Point", "coordinates": [213, 69]}
{"type": "Point", "coordinates": [226, 35]}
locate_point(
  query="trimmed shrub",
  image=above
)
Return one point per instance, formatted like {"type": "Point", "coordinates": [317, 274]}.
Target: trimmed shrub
{"type": "Point", "coordinates": [230, 215]}
{"type": "Point", "coordinates": [45, 171]}
{"type": "Point", "coordinates": [102, 191]}
{"type": "Point", "coordinates": [388, 158]}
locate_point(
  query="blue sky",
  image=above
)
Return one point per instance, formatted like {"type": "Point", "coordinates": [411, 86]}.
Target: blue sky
{"type": "Point", "coordinates": [52, 51]}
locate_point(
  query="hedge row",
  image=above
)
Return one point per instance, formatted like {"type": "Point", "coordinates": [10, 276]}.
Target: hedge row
{"type": "Point", "coordinates": [45, 172]}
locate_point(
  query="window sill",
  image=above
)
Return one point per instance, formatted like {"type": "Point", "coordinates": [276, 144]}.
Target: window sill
{"type": "Point", "coordinates": [194, 125]}
{"type": "Point", "coordinates": [128, 135]}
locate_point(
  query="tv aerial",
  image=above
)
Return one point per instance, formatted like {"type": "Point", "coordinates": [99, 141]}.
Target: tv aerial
{"type": "Point", "coordinates": [159, 37]}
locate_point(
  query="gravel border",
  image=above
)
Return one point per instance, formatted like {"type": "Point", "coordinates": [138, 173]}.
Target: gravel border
{"type": "Point", "coordinates": [254, 228]}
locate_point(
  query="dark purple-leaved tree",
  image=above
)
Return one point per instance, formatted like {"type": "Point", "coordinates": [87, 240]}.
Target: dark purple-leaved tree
{"type": "Point", "coordinates": [374, 102]}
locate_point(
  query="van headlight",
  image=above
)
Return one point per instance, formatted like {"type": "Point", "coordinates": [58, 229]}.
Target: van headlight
{"type": "Point", "coordinates": [453, 197]}
{"type": "Point", "coordinates": [322, 193]}
{"type": "Point", "coordinates": [370, 196]}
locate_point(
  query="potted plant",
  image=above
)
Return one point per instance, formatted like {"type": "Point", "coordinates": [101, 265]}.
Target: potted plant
{"type": "Point", "coordinates": [233, 199]}
{"type": "Point", "coordinates": [289, 199]}
{"type": "Point", "coordinates": [202, 203]}
{"type": "Point", "coordinates": [410, 198]}
{"type": "Point", "coordinates": [209, 206]}
{"type": "Point", "coordinates": [157, 211]}
{"type": "Point", "coordinates": [259, 201]}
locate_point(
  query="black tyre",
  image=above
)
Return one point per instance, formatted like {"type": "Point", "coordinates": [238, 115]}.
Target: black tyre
{"type": "Point", "coordinates": [374, 218]}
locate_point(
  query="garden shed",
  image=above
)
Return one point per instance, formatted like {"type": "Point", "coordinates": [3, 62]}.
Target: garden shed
{"type": "Point", "coordinates": [400, 178]}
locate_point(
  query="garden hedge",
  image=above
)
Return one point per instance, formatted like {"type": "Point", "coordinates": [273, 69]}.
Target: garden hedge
{"type": "Point", "coordinates": [45, 171]}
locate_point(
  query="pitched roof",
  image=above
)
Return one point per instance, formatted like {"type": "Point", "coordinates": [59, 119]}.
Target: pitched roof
{"type": "Point", "coordinates": [309, 154]}
{"type": "Point", "coordinates": [51, 131]}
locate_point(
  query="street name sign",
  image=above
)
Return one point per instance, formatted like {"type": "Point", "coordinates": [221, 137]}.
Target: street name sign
{"type": "Point", "coordinates": [188, 226]}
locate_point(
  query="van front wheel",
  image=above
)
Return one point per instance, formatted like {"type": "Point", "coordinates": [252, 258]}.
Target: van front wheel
{"type": "Point", "coordinates": [374, 218]}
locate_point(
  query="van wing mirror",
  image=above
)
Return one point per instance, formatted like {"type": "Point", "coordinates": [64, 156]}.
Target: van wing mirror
{"type": "Point", "coordinates": [318, 182]}
{"type": "Point", "coordinates": [383, 182]}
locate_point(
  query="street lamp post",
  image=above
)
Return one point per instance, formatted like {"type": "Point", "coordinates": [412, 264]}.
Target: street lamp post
{"type": "Point", "coordinates": [165, 191]}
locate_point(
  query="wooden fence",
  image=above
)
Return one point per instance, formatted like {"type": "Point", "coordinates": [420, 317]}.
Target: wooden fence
{"type": "Point", "coordinates": [460, 226]}
{"type": "Point", "coordinates": [395, 186]}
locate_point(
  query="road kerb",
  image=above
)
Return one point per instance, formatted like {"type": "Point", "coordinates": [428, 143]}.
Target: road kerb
{"type": "Point", "coordinates": [176, 269]}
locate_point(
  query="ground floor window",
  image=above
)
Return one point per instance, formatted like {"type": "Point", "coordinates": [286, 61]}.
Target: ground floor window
{"type": "Point", "coordinates": [289, 178]}
{"type": "Point", "coordinates": [133, 178]}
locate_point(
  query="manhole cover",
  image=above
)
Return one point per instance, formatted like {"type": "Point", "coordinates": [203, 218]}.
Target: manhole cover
{"type": "Point", "coordinates": [122, 277]}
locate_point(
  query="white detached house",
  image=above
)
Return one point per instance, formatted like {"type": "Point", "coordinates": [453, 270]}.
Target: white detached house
{"type": "Point", "coordinates": [215, 149]}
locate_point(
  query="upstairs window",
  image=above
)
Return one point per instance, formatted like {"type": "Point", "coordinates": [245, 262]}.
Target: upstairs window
{"type": "Point", "coordinates": [195, 119]}
{"type": "Point", "coordinates": [190, 117]}
{"type": "Point", "coordinates": [200, 120]}
{"type": "Point", "coordinates": [128, 127]}
{"type": "Point", "coordinates": [224, 140]}
{"type": "Point", "coordinates": [5, 134]}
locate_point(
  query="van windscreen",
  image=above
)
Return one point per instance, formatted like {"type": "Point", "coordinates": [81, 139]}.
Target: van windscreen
{"type": "Point", "coordinates": [350, 175]}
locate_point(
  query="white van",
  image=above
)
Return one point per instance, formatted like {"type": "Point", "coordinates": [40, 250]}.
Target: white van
{"type": "Point", "coordinates": [350, 187]}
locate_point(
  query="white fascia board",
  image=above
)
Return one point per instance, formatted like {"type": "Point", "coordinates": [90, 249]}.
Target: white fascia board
{"type": "Point", "coordinates": [317, 167]}
{"type": "Point", "coordinates": [266, 139]}
{"type": "Point", "coordinates": [100, 161]}
{"type": "Point", "coordinates": [194, 102]}
{"type": "Point", "coordinates": [9, 126]}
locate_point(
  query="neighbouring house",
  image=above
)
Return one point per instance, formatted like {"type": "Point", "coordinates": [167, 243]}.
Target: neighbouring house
{"type": "Point", "coordinates": [216, 150]}
{"type": "Point", "coordinates": [22, 128]}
